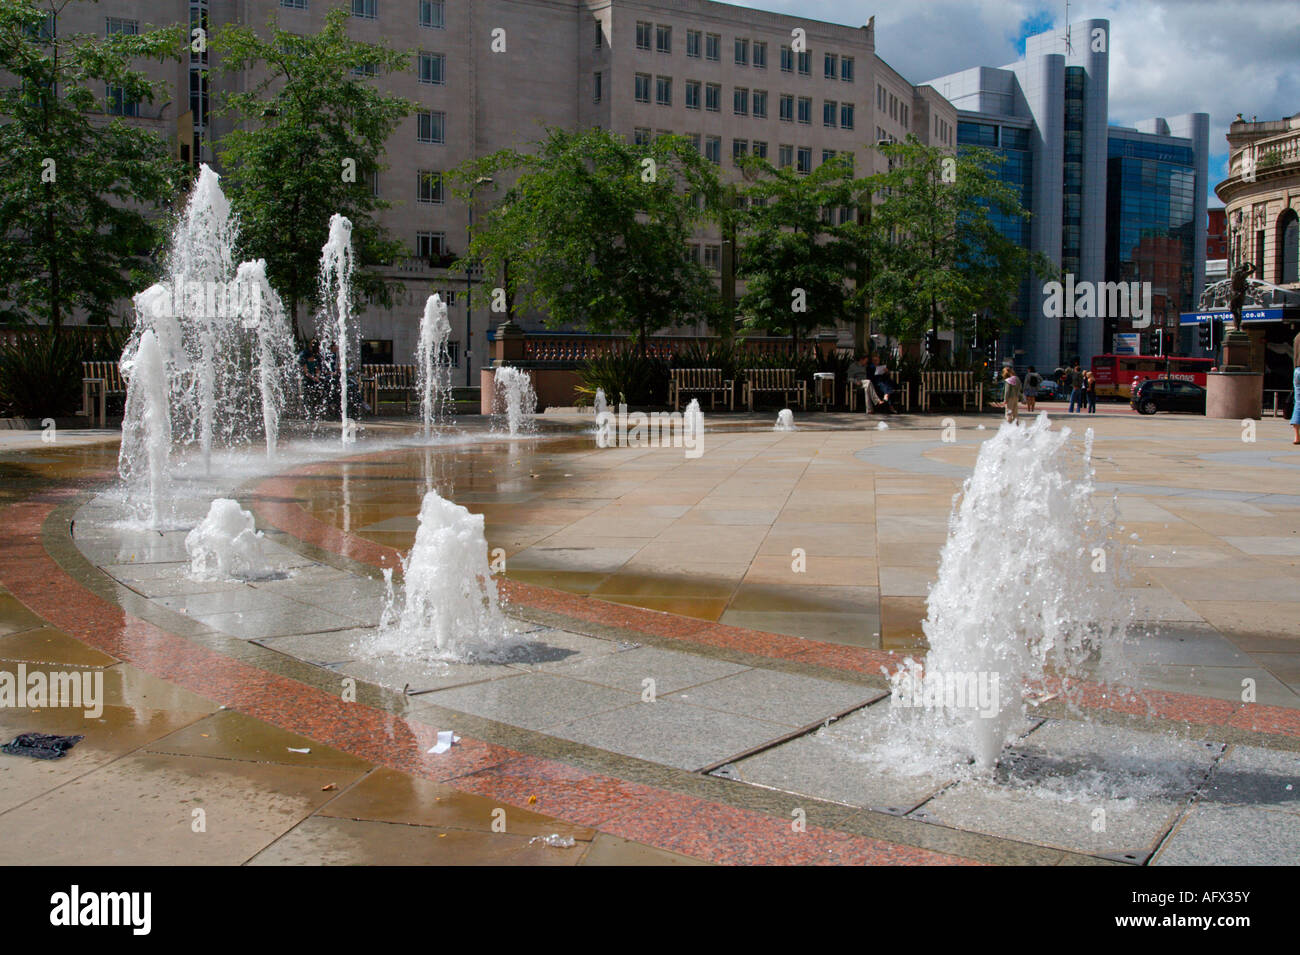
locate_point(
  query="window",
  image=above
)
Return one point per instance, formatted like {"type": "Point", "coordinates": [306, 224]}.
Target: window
{"type": "Point", "coordinates": [786, 156]}
{"type": "Point", "coordinates": [787, 108]}
{"type": "Point", "coordinates": [712, 46]}
{"type": "Point", "coordinates": [664, 39]}
{"type": "Point", "coordinates": [641, 136]}
{"type": "Point", "coordinates": [805, 110]}
{"type": "Point", "coordinates": [643, 87]}
{"type": "Point", "coordinates": [805, 63]}
{"type": "Point", "coordinates": [893, 106]}
{"type": "Point", "coordinates": [846, 69]}
{"type": "Point", "coordinates": [832, 66]}
{"type": "Point", "coordinates": [433, 14]}
{"type": "Point", "coordinates": [664, 90]}
{"type": "Point", "coordinates": [1288, 251]}
{"type": "Point", "coordinates": [120, 103]}
{"type": "Point", "coordinates": [365, 69]}
{"type": "Point", "coordinates": [643, 32]}
{"type": "Point", "coordinates": [431, 126]}
{"type": "Point", "coordinates": [598, 86]}
{"type": "Point", "coordinates": [739, 147]}
{"type": "Point", "coordinates": [828, 154]}
{"type": "Point", "coordinates": [880, 97]}
{"type": "Point", "coordinates": [760, 55]}
{"type": "Point", "coordinates": [713, 258]}
{"type": "Point", "coordinates": [787, 60]}
{"type": "Point", "coordinates": [600, 35]}
{"type": "Point", "coordinates": [760, 104]}
{"type": "Point", "coordinates": [433, 69]}
{"type": "Point", "coordinates": [713, 97]}
{"type": "Point", "coordinates": [116, 25]}
{"type": "Point", "coordinates": [902, 114]}
{"type": "Point", "coordinates": [429, 187]}
{"type": "Point", "coordinates": [692, 94]}
{"type": "Point", "coordinates": [830, 110]}
{"type": "Point", "coordinates": [693, 43]}
{"type": "Point", "coordinates": [374, 183]}
{"type": "Point", "coordinates": [713, 149]}
{"type": "Point", "coordinates": [846, 115]}
{"type": "Point", "coordinates": [430, 245]}
{"type": "Point", "coordinates": [365, 9]}
{"type": "Point", "coordinates": [740, 102]}
{"type": "Point", "coordinates": [760, 149]}
{"type": "Point", "coordinates": [742, 52]}
{"type": "Point", "coordinates": [805, 160]}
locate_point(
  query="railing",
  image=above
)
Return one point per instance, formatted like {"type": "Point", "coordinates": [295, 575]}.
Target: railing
{"type": "Point", "coordinates": [566, 347]}
{"type": "Point", "coordinates": [1268, 153]}
{"type": "Point", "coordinates": [11, 334]}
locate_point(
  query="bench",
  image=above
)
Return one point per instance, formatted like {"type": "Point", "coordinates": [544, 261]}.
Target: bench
{"type": "Point", "coordinates": [902, 395]}
{"type": "Point", "coordinates": [781, 380]}
{"type": "Point", "coordinates": [376, 380]}
{"type": "Point", "coordinates": [100, 380]}
{"type": "Point", "coordinates": [962, 383]}
{"type": "Point", "coordinates": [706, 381]}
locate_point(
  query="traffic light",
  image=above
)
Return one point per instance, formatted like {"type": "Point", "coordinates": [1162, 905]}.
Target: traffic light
{"type": "Point", "coordinates": [1216, 338]}
{"type": "Point", "coordinates": [1160, 341]}
{"type": "Point", "coordinates": [931, 342]}
{"type": "Point", "coordinates": [1204, 331]}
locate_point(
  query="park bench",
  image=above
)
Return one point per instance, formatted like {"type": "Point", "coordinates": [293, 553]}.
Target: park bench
{"type": "Point", "coordinates": [902, 394]}
{"type": "Point", "coordinates": [378, 380]}
{"type": "Point", "coordinates": [783, 380]}
{"type": "Point", "coordinates": [706, 381]}
{"type": "Point", "coordinates": [962, 383]}
{"type": "Point", "coordinates": [100, 380]}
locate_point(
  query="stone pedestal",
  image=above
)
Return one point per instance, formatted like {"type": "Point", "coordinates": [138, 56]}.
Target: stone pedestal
{"type": "Point", "coordinates": [1236, 352]}
{"type": "Point", "coordinates": [1235, 395]}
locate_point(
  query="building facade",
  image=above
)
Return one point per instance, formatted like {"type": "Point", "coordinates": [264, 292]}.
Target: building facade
{"type": "Point", "coordinates": [1048, 115]}
{"type": "Point", "coordinates": [491, 74]}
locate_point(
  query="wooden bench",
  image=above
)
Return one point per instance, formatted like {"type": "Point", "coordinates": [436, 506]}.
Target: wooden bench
{"type": "Point", "coordinates": [781, 380]}
{"type": "Point", "coordinates": [100, 380]}
{"type": "Point", "coordinates": [951, 383]}
{"type": "Point", "coordinates": [706, 381]}
{"type": "Point", "coordinates": [376, 380]}
{"type": "Point", "coordinates": [902, 394]}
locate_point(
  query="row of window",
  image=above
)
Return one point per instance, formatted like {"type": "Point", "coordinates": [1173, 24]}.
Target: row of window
{"type": "Point", "coordinates": [744, 102]}
{"type": "Point", "coordinates": [788, 156]}
{"type": "Point", "coordinates": [745, 52]}
{"type": "Point", "coordinates": [887, 102]}
{"type": "Point", "coordinates": [433, 13]}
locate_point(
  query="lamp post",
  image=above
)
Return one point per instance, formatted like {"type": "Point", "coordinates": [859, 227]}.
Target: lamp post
{"type": "Point", "coordinates": [469, 273]}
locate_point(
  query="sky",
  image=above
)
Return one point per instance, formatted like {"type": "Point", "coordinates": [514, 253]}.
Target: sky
{"type": "Point", "coordinates": [1167, 57]}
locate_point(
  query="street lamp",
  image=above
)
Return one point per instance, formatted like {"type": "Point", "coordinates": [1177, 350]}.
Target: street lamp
{"type": "Point", "coordinates": [469, 273]}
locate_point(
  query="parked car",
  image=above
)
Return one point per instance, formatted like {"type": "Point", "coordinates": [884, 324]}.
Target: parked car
{"type": "Point", "coordinates": [1165, 394]}
{"type": "Point", "coordinates": [1049, 391]}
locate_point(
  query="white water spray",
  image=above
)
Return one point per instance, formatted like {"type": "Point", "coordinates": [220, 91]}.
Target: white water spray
{"type": "Point", "coordinates": [227, 546]}
{"type": "Point", "coordinates": [143, 460]}
{"type": "Point", "coordinates": [336, 309]}
{"type": "Point", "coordinates": [784, 420]}
{"type": "Point", "coordinates": [433, 362]}
{"type": "Point", "coordinates": [263, 314]}
{"type": "Point", "coordinates": [515, 398]}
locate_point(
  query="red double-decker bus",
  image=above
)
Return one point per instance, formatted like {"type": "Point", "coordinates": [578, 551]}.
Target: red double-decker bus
{"type": "Point", "coordinates": [1115, 373]}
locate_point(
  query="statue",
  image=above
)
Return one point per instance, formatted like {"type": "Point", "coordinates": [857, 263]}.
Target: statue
{"type": "Point", "coordinates": [1239, 276]}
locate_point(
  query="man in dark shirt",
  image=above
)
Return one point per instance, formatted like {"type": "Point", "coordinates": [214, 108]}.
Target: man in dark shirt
{"type": "Point", "coordinates": [1076, 387]}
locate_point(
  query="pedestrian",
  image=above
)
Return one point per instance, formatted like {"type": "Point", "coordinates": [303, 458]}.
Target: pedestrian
{"type": "Point", "coordinates": [1032, 380]}
{"type": "Point", "coordinates": [1076, 387]}
{"type": "Point", "coordinates": [1011, 394]}
{"type": "Point", "coordinates": [1090, 391]}
{"type": "Point", "coordinates": [1295, 410]}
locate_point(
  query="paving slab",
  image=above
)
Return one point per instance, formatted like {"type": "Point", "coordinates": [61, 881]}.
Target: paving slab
{"type": "Point", "coordinates": [1232, 835]}
{"type": "Point", "coordinates": [778, 697]}
{"type": "Point", "coordinates": [670, 670]}
{"type": "Point", "coordinates": [535, 701]}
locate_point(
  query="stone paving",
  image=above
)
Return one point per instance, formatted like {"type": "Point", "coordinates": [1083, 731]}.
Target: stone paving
{"type": "Point", "coordinates": [648, 737]}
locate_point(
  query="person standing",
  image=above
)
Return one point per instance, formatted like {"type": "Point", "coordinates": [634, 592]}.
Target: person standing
{"type": "Point", "coordinates": [1090, 391]}
{"type": "Point", "coordinates": [1032, 380]}
{"type": "Point", "coordinates": [1295, 410]}
{"type": "Point", "coordinates": [1076, 387]}
{"type": "Point", "coordinates": [1011, 394]}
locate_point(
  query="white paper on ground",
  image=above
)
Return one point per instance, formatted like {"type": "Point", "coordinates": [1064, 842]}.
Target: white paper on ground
{"type": "Point", "coordinates": [445, 739]}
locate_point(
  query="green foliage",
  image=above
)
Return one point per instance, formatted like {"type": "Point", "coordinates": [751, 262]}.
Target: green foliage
{"type": "Point", "coordinates": [628, 376]}
{"type": "Point", "coordinates": [593, 231]}
{"type": "Point", "coordinates": [76, 185]}
{"type": "Point", "coordinates": [305, 125]}
{"type": "Point", "coordinates": [40, 369]}
{"type": "Point", "coordinates": [710, 353]}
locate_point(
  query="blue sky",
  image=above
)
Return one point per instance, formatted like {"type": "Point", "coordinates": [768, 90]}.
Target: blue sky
{"type": "Point", "coordinates": [1167, 56]}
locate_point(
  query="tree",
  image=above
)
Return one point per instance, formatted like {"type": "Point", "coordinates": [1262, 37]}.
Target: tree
{"type": "Point", "coordinates": [945, 257]}
{"type": "Point", "coordinates": [77, 184]}
{"type": "Point", "coordinates": [801, 246]}
{"type": "Point", "coordinates": [595, 230]}
{"type": "Point", "coordinates": [312, 134]}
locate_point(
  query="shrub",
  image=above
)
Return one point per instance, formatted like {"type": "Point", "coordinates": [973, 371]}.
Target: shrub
{"type": "Point", "coordinates": [40, 369]}
{"type": "Point", "coordinates": [626, 375]}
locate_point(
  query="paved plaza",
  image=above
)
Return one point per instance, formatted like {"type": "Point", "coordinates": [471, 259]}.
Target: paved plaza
{"type": "Point", "coordinates": [700, 679]}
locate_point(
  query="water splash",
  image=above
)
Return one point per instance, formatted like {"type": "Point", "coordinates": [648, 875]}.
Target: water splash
{"type": "Point", "coordinates": [784, 420]}
{"type": "Point", "coordinates": [450, 609]}
{"type": "Point", "coordinates": [515, 399]}
{"type": "Point", "coordinates": [263, 314]}
{"type": "Point", "coordinates": [144, 457]}
{"type": "Point", "coordinates": [433, 363]}
{"type": "Point", "coordinates": [600, 404]}
{"type": "Point", "coordinates": [1028, 589]}
{"type": "Point", "coordinates": [693, 421]}
{"type": "Point", "coordinates": [227, 546]}
{"type": "Point", "coordinates": [336, 311]}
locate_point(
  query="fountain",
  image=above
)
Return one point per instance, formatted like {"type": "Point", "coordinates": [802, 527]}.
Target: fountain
{"type": "Point", "coordinates": [450, 609]}
{"type": "Point", "coordinates": [262, 313]}
{"type": "Point", "coordinates": [600, 404]}
{"type": "Point", "coordinates": [143, 460]}
{"type": "Point", "coordinates": [784, 420]}
{"type": "Point", "coordinates": [336, 310]}
{"type": "Point", "coordinates": [227, 546]}
{"type": "Point", "coordinates": [693, 422]}
{"type": "Point", "coordinates": [1028, 588]}
{"type": "Point", "coordinates": [515, 398]}
{"type": "Point", "coordinates": [433, 362]}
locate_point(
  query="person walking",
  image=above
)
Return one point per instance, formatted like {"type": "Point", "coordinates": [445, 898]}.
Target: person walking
{"type": "Point", "coordinates": [1032, 381]}
{"type": "Point", "coordinates": [1076, 388]}
{"type": "Point", "coordinates": [1090, 391]}
{"type": "Point", "coordinates": [1011, 394]}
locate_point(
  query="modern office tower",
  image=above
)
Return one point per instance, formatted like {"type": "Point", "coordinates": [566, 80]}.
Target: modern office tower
{"type": "Point", "coordinates": [1048, 113]}
{"type": "Point", "coordinates": [491, 74]}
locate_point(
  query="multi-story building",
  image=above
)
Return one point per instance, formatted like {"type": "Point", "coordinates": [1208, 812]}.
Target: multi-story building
{"type": "Point", "coordinates": [494, 73]}
{"type": "Point", "coordinates": [1048, 115]}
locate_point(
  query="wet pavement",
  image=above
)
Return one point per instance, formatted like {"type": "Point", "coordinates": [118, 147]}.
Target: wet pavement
{"type": "Point", "coordinates": [705, 639]}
